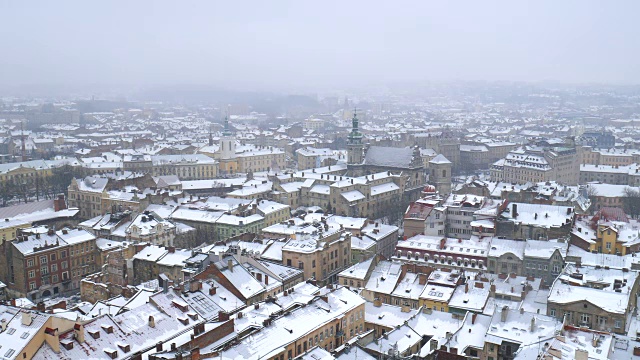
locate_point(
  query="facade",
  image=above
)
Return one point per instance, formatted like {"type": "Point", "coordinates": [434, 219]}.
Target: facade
{"type": "Point", "coordinates": [597, 298]}
{"type": "Point", "coordinates": [609, 231]}
{"type": "Point", "coordinates": [440, 174]}
{"type": "Point", "coordinates": [86, 194]}
{"type": "Point", "coordinates": [184, 166]}
{"type": "Point", "coordinates": [320, 256]}
{"type": "Point", "coordinates": [538, 164]}
{"type": "Point", "coordinates": [534, 221]}
{"type": "Point", "coordinates": [44, 263]}
{"type": "Point", "coordinates": [150, 228]}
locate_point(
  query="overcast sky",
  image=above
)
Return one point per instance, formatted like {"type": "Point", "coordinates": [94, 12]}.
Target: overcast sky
{"type": "Point", "coordinates": [305, 44]}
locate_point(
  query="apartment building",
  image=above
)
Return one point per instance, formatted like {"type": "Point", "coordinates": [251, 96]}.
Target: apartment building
{"type": "Point", "coordinates": [42, 262]}
{"type": "Point", "coordinates": [595, 297]}
{"type": "Point", "coordinates": [320, 255]}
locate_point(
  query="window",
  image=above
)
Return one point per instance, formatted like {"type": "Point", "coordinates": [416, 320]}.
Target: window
{"type": "Point", "coordinates": [313, 263]}
{"type": "Point", "coordinates": [618, 324]}
{"type": "Point", "coordinates": [32, 285]}
{"type": "Point", "coordinates": [553, 312]}
{"type": "Point", "coordinates": [32, 274]}
{"type": "Point", "coordinates": [608, 246]}
{"type": "Point", "coordinates": [44, 270]}
{"type": "Point", "coordinates": [30, 263]}
{"type": "Point", "coordinates": [53, 257]}
{"type": "Point", "coordinates": [585, 318]}
{"type": "Point", "coordinates": [43, 259]}
{"type": "Point", "coordinates": [54, 267]}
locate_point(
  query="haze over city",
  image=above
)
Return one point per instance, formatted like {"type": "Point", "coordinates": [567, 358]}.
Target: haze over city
{"type": "Point", "coordinates": [290, 45]}
{"type": "Point", "coordinates": [328, 180]}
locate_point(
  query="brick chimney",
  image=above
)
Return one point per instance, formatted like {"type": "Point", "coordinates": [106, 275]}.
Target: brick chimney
{"type": "Point", "coordinates": [51, 336]}
{"type": "Point", "coordinates": [59, 203]}
{"type": "Point", "coordinates": [78, 332]}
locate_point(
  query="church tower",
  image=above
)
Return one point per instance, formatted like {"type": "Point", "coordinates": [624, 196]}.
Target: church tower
{"type": "Point", "coordinates": [227, 150]}
{"type": "Point", "coordinates": [354, 144]}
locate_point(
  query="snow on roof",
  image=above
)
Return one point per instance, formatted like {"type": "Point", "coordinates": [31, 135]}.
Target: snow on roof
{"type": "Point", "coordinates": [471, 298]}
{"type": "Point", "coordinates": [321, 189]}
{"type": "Point", "coordinates": [539, 215]}
{"type": "Point", "coordinates": [175, 258]}
{"type": "Point", "coordinates": [545, 249]}
{"type": "Point", "coordinates": [384, 188]}
{"type": "Point", "coordinates": [237, 275]}
{"type": "Point", "coordinates": [389, 156]}
{"type": "Point", "coordinates": [438, 293]}
{"type": "Point", "coordinates": [594, 285]}
{"type": "Point", "coordinates": [17, 335]}
{"type": "Point", "coordinates": [517, 327]}
{"type": "Point", "coordinates": [353, 195]}
{"type": "Point", "coordinates": [384, 277]}
{"type": "Point", "coordinates": [358, 270]}
{"type": "Point", "coordinates": [151, 253]}
{"type": "Point", "coordinates": [471, 334]}
{"type": "Point", "coordinates": [272, 339]}
{"type": "Point", "coordinates": [501, 247]}
{"type": "Point", "coordinates": [386, 315]}
{"type": "Point", "coordinates": [127, 328]}
{"type": "Point", "coordinates": [439, 159]}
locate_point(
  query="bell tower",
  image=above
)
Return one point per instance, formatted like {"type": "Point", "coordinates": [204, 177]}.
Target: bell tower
{"type": "Point", "coordinates": [355, 148]}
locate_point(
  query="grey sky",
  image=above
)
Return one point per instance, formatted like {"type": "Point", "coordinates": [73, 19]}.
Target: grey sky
{"type": "Point", "coordinates": [303, 44]}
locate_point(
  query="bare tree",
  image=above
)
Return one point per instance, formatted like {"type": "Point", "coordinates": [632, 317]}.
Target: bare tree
{"type": "Point", "coordinates": [632, 201]}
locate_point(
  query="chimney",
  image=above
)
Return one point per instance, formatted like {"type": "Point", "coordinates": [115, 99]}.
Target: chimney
{"type": "Point", "coordinates": [53, 339]}
{"type": "Point", "coordinates": [50, 232]}
{"type": "Point", "coordinates": [223, 316]}
{"type": "Point", "coordinates": [422, 279]}
{"type": "Point", "coordinates": [532, 327]}
{"type": "Point", "coordinates": [78, 332]}
{"type": "Point", "coordinates": [521, 310]}
{"type": "Point", "coordinates": [266, 279]}
{"type": "Point", "coordinates": [405, 308]}
{"type": "Point", "coordinates": [59, 203]}
{"type": "Point", "coordinates": [3, 324]}
{"type": "Point", "coordinates": [466, 288]}
{"type": "Point", "coordinates": [568, 211]}
{"type": "Point", "coordinates": [171, 249]}
{"type": "Point", "coordinates": [195, 353]}
{"type": "Point", "coordinates": [159, 346]}
{"type": "Point", "coordinates": [212, 290]}
{"type": "Point", "coordinates": [473, 318]}
{"type": "Point", "coordinates": [504, 313]}
{"type": "Point", "coordinates": [581, 354]}
{"type": "Point", "coordinates": [26, 318]}
{"type": "Point", "coordinates": [195, 285]}
{"type": "Point", "coordinates": [230, 264]}
{"type": "Point", "coordinates": [377, 302]}
{"type": "Point", "coordinates": [152, 321]}
{"type": "Point", "coordinates": [514, 210]}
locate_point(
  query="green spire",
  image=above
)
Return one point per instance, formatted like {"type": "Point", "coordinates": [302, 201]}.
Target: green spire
{"type": "Point", "coordinates": [226, 131]}
{"type": "Point", "coordinates": [355, 136]}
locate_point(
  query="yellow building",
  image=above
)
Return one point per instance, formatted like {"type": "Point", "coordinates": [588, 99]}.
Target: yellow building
{"type": "Point", "coordinates": [9, 228]}
{"type": "Point", "coordinates": [436, 297]}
